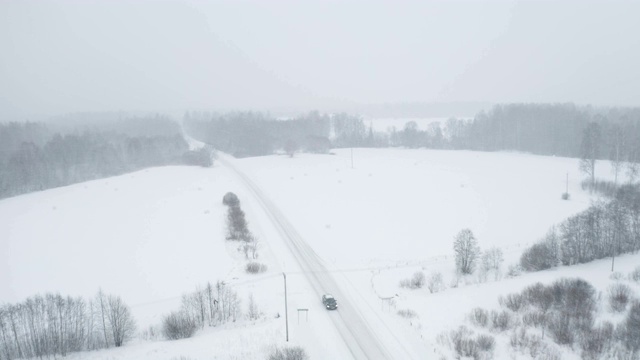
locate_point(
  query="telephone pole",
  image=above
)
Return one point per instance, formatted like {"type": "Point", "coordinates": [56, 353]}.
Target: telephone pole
{"type": "Point", "coordinates": [286, 312]}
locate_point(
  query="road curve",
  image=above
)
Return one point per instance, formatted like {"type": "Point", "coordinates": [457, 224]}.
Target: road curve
{"type": "Point", "coordinates": [359, 337]}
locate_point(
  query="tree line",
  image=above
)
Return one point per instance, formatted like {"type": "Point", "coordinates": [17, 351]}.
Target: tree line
{"type": "Point", "coordinates": [543, 129]}
{"type": "Point", "coordinates": [213, 305]}
{"type": "Point", "coordinates": [605, 229]}
{"type": "Point", "coordinates": [51, 325]}
{"type": "Point", "coordinates": [244, 134]}
{"type": "Point", "coordinates": [35, 157]}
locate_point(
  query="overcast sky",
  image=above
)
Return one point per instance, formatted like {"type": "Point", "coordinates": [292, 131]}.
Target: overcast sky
{"type": "Point", "coordinates": [69, 56]}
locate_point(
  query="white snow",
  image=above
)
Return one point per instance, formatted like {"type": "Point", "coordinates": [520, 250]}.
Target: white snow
{"type": "Point", "coordinates": [152, 235]}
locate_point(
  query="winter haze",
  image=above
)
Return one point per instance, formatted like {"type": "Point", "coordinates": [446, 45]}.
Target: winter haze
{"type": "Point", "coordinates": [303, 180]}
{"type": "Point", "coordinates": [70, 56]}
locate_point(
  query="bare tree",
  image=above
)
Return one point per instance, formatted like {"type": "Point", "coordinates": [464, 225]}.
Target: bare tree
{"type": "Point", "coordinates": [253, 311]}
{"type": "Point", "coordinates": [435, 282]}
{"type": "Point", "coordinates": [617, 140]}
{"type": "Point", "coordinates": [466, 251]}
{"type": "Point", "coordinates": [122, 323]}
{"type": "Point", "coordinates": [590, 150]}
{"type": "Point", "coordinates": [492, 260]}
{"type": "Point", "coordinates": [178, 325]}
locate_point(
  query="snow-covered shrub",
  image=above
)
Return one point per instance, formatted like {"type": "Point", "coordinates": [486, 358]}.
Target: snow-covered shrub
{"type": "Point", "coordinates": [501, 321]}
{"type": "Point", "coordinates": [533, 345]}
{"type": "Point", "coordinates": [492, 259]}
{"type": "Point", "coordinates": [635, 274]}
{"type": "Point", "coordinates": [595, 343]}
{"type": "Point", "coordinates": [629, 330]}
{"type": "Point", "coordinates": [539, 296]}
{"type": "Point", "coordinates": [289, 353]}
{"type": "Point", "coordinates": [230, 199]}
{"type": "Point", "coordinates": [255, 267]}
{"type": "Point", "coordinates": [619, 296]}
{"type": "Point", "coordinates": [513, 302]}
{"type": "Point", "coordinates": [565, 196]}
{"type": "Point", "coordinates": [479, 317]}
{"type": "Point", "coordinates": [523, 342]}
{"type": "Point", "coordinates": [253, 313]}
{"type": "Point", "coordinates": [514, 270]}
{"type": "Point", "coordinates": [418, 280]}
{"type": "Point", "coordinates": [435, 282]}
{"type": "Point", "coordinates": [407, 313]}
{"type": "Point", "coordinates": [486, 343]}
{"type": "Point", "coordinates": [616, 276]}
{"type": "Point", "coordinates": [561, 329]}
{"type": "Point", "coordinates": [538, 257]}
{"type": "Point", "coordinates": [178, 325]}
{"type": "Point", "coordinates": [534, 318]}
{"type": "Point", "coordinates": [463, 343]}
{"type": "Point", "coordinates": [236, 224]}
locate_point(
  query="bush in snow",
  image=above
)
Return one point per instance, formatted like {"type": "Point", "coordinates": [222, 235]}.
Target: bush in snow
{"type": "Point", "coordinates": [236, 224]}
{"type": "Point", "coordinates": [178, 325]}
{"type": "Point", "coordinates": [416, 282]}
{"type": "Point", "coordinates": [479, 317]}
{"type": "Point", "coordinates": [486, 343]}
{"type": "Point", "coordinates": [407, 313]}
{"type": "Point", "coordinates": [619, 297]}
{"type": "Point", "coordinates": [538, 257]}
{"type": "Point", "coordinates": [501, 321]}
{"type": "Point", "coordinates": [616, 276]}
{"type": "Point", "coordinates": [289, 353]}
{"type": "Point", "coordinates": [435, 282]}
{"type": "Point", "coordinates": [254, 267]}
{"type": "Point", "coordinates": [492, 260]}
{"type": "Point", "coordinates": [629, 330]}
{"type": "Point", "coordinates": [230, 199]}
{"type": "Point", "coordinates": [534, 318]}
{"type": "Point", "coordinates": [596, 343]}
{"type": "Point", "coordinates": [513, 302]}
{"type": "Point", "coordinates": [465, 345]}
{"type": "Point", "coordinates": [635, 275]}
{"type": "Point", "coordinates": [514, 270]}
{"type": "Point", "coordinates": [466, 251]}
{"type": "Point", "coordinates": [253, 312]}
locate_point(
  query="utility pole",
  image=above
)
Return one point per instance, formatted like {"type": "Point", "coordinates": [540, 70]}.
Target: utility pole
{"type": "Point", "coordinates": [567, 184]}
{"type": "Point", "coordinates": [286, 312]}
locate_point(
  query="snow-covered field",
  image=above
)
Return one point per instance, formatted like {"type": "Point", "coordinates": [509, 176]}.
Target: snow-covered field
{"type": "Point", "coordinates": [153, 235]}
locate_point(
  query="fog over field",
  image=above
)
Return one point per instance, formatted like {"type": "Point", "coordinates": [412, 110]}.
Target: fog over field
{"type": "Point", "coordinates": [69, 56]}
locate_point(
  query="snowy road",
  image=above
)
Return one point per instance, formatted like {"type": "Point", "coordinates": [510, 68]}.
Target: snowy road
{"type": "Point", "coordinates": [361, 339]}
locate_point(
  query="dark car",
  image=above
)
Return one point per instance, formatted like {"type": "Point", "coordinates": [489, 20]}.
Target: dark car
{"type": "Point", "coordinates": [329, 302]}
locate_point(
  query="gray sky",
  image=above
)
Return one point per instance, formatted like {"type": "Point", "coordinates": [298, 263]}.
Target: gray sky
{"type": "Point", "coordinates": [68, 56]}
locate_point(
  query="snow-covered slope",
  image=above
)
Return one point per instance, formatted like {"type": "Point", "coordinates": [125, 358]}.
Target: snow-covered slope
{"type": "Point", "coordinates": [152, 235]}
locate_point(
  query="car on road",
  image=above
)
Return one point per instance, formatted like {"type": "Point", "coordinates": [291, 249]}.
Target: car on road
{"type": "Point", "coordinates": [329, 302]}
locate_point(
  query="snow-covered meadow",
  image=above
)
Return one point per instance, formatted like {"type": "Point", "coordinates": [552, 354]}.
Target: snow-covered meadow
{"type": "Point", "coordinates": [153, 235]}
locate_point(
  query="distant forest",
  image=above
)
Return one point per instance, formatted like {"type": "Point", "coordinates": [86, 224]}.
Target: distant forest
{"type": "Point", "coordinates": [37, 156]}
{"type": "Point", "coordinates": [544, 129]}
